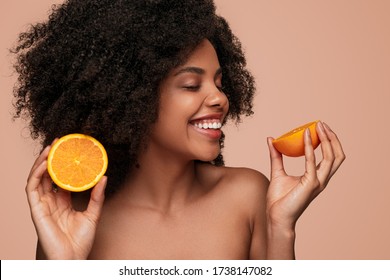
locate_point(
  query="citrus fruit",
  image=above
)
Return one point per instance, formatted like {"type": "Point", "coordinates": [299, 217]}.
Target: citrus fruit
{"type": "Point", "coordinates": [76, 162]}
{"type": "Point", "coordinates": [292, 143]}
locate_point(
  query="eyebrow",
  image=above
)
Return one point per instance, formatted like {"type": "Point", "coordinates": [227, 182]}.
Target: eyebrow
{"type": "Point", "coordinates": [195, 70]}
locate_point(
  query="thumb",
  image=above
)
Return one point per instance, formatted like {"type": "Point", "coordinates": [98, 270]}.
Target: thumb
{"type": "Point", "coordinates": [96, 201]}
{"type": "Point", "coordinates": [277, 168]}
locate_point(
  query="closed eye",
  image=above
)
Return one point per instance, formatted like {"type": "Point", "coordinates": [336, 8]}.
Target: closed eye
{"type": "Point", "coordinates": [192, 88]}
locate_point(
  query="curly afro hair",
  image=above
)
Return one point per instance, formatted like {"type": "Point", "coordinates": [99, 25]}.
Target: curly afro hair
{"type": "Point", "coordinates": [95, 66]}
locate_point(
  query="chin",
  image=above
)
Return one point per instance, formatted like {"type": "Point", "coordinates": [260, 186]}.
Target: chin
{"type": "Point", "coordinates": [209, 156]}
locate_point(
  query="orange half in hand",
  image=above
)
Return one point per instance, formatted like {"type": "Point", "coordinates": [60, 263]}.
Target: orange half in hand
{"type": "Point", "coordinates": [76, 162]}
{"type": "Point", "coordinates": [292, 143]}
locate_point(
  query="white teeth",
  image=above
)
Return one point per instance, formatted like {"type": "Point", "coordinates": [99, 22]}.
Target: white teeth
{"type": "Point", "coordinates": [211, 125]}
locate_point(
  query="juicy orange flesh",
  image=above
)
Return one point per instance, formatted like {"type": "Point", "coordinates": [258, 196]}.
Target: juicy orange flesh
{"type": "Point", "coordinates": [77, 162]}
{"type": "Point", "coordinates": [303, 127]}
{"type": "Point", "coordinates": [292, 142]}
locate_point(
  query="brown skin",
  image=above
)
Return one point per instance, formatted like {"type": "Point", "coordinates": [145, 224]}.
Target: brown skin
{"type": "Point", "coordinates": [174, 207]}
{"type": "Point", "coordinates": [214, 221]}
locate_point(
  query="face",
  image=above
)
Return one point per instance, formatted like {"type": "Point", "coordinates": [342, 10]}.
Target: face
{"type": "Point", "coordinates": [192, 108]}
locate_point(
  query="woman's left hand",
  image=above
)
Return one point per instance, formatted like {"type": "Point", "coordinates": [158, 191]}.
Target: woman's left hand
{"type": "Point", "coordinates": [289, 196]}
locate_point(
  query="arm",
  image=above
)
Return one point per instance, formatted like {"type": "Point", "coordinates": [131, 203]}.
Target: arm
{"type": "Point", "coordinates": [280, 243]}
{"type": "Point", "coordinates": [63, 232]}
{"type": "Point", "coordinates": [268, 240]}
{"type": "Point", "coordinates": [289, 196]}
{"type": "Point", "coordinates": [40, 255]}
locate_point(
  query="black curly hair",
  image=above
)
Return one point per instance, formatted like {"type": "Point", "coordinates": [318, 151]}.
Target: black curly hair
{"type": "Point", "coordinates": [95, 66]}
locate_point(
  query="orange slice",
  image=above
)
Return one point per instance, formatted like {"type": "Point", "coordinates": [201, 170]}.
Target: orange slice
{"type": "Point", "coordinates": [292, 144]}
{"type": "Point", "coordinates": [76, 162]}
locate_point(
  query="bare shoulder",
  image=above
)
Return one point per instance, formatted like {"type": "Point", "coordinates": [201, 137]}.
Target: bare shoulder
{"type": "Point", "coordinates": [247, 184]}
{"type": "Point", "coordinates": [242, 185]}
{"type": "Point", "coordinates": [248, 179]}
{"type": "Point", "coordinates": [252, 179]}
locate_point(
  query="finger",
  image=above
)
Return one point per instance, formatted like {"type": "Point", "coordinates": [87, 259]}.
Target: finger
{"type": "Point", "coordinates": [39, 160]}
{"type": "Point", "coordinates": [277, 168]}
{"type": "Point", "coordinates": [33, 187]}
{"type": "Point", "coordinates": [310, 160]}
{"type": "Point", "coordinates": [337, 149]}
{"type": "Point", "coordinates": [47, 183]}
{"type": "Point", "coordinates": [62, 198]}
{"type": "Point", "coordinates": [325, 166]}
{"type": "Point", "coordinates": [96, 201]}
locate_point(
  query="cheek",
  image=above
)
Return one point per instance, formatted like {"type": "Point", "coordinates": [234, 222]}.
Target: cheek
{"type": "Point", "coordinates": [172, 119]}
{"type": "Point", "coordinates": [227, 105]}
{"type": "Point", "coordinates": [180, 107]}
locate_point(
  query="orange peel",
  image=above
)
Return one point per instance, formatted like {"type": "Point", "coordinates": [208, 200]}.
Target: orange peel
{"type": "Point", "coordinates": [292, 143]}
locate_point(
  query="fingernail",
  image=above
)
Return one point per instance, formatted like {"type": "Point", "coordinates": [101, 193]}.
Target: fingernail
{"type": "Point", "coordinates": [307, 132]}
{"type": "Point", "coordinates": [327, 127]}
{"type": "Point", "coordinates": [321, 126]}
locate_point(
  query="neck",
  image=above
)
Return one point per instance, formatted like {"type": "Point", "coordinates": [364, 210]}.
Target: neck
{"type": "Point", "coordinates": [162, 182]}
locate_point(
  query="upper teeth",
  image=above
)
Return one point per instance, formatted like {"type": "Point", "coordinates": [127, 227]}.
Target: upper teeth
{"type": "Point", "coordinates": [209, 125]}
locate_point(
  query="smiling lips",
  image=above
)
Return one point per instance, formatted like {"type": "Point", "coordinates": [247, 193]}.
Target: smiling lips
{"type": "Point", "coordinates": [209, 127]}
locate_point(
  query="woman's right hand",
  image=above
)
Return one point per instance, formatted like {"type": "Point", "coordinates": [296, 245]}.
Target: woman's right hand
{"type": "Point", "coordinates": [63, 232]}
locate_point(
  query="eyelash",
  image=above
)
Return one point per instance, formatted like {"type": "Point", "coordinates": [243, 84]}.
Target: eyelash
{"type": "Point", "coordinates": [192, 88]}
{"type": "Point", "coordinates": [196, 88]}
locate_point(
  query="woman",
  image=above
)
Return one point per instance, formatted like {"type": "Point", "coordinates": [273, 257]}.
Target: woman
{"type": "Point", "coordinates": [154, 81]}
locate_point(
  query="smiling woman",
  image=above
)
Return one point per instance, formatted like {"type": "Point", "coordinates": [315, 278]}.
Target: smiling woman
{"type": "Point", "coordinates": [104, 60]}
{"type": "Point", "coordinates": [191, 102]}
{"type": "Point", "coordinates": [155, 81]}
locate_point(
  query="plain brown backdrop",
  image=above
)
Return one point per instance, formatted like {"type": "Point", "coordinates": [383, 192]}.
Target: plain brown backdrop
{"type": "Point", "coordinates": [327, 60]}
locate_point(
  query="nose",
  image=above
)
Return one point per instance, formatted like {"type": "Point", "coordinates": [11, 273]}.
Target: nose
{"type": "Point", "coordinates": [216, 98]}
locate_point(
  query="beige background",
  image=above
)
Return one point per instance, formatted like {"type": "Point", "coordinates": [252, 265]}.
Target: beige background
{"type": "Point", "coordinates": [327, 60]}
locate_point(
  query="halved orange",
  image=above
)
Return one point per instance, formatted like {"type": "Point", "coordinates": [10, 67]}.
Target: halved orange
{"type": "Point", "coordinates": [292, 143]}
{"type": "Point", "coordinates": [76, 162]}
